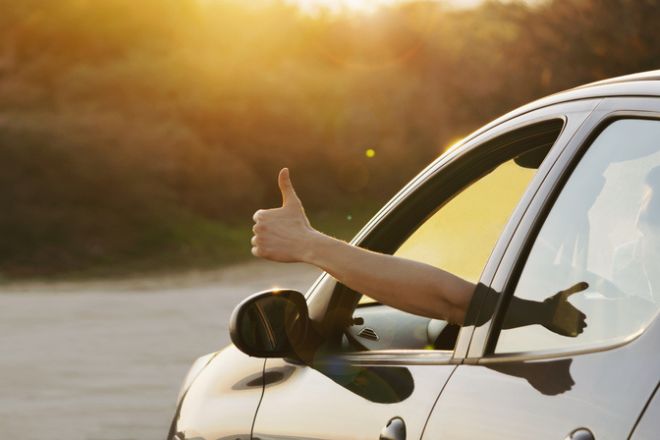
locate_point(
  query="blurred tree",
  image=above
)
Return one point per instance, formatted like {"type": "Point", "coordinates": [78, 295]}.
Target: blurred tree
{"type": "Point", "coordinates": [144, 134]}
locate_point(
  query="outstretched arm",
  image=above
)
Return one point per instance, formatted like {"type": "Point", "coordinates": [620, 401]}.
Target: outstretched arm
{"type": "Point", "coordinates": [284, 234]}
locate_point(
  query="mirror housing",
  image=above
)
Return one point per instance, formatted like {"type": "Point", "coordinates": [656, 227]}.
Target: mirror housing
{"type": "Point", "coordinates": [272, 323]}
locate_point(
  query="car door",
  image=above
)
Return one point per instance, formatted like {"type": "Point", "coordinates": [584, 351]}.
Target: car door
{"type": "Point", "coordinates": [590, 241]}
{"type": "Point", "coordinates": [382, 368]}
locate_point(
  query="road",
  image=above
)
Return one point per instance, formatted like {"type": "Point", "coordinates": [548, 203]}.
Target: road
{"type": "Point", "coordinates": [104, 360]}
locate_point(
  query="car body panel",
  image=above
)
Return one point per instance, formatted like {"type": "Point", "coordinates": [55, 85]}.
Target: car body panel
{"type": "Point", "coordinates": [602, 388]}
{"type": "Point", "coordinates": [639, 85]}
{"type": "Point", "coordinates": [223, 399]}
{"type": "Point", "coordinates": [648, 425]}
{"type": "Point", "coordinates": [349, 399]}
{"type": "Point", "coordinates": [604, 391]}
{"type": "Point", "coordinates": [468, 393]}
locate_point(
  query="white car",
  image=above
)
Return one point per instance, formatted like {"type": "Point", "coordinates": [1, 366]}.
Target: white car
{"type": "Point", "coordinates": [553, 210]}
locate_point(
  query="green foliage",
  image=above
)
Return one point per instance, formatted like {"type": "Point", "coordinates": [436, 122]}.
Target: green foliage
{"type": "Point", "coordinates": [138, 135]}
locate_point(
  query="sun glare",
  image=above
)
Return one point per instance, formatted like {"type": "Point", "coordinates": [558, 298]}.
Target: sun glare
{"type": "Point", "coordinates": [343, 5]}
{"type": "Point", "coordinates": [366, 6]}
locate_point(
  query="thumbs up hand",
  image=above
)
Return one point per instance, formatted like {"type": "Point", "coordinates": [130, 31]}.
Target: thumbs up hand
{"type": "Point", "coordinates": [283, 234]}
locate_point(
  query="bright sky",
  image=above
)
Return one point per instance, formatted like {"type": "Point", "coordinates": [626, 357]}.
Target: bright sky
{"type": "Point", "coordinates": [366, 5]}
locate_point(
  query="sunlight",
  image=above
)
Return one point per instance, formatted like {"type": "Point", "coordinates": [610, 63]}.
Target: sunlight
{"type": "Point", "coordinates": [343, 5]}
{"type": "Point", "coordinates": [366, 6]}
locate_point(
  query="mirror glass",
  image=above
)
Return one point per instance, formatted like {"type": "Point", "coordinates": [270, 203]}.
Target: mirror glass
{"type": "Point", "coordinates": [271, 324]}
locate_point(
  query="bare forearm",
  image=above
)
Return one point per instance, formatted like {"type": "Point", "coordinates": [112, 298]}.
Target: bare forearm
{"type": "Point", "coordinates": [285, 234]}
{"type": "Point", "coordinates": [405, 284]}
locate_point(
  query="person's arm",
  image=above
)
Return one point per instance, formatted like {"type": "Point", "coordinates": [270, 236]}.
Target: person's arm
{"type": "Point", "coordinates": [555, 312]}
{"type": "Point", "coordinates": [284, 234]}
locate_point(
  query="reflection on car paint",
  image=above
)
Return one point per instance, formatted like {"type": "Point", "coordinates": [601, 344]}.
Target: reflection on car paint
{"type": "Point", "coordinates": [547, 377]}
{"type": "Point", "coordinates": [378, 384]}
{"type": "Point", "coordinates": [269, 377]}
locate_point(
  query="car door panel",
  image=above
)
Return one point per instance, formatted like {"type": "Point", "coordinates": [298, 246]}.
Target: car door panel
{"type": "Point", "coordinates": [350, 397]}
{"type": "Point", "coordinates": [648, 425]}
{"type": "Point", "coordinates": [549, 394]}
{"type": "Point", "coordinates": [354, 396]}
{"type": "Point", "coordinates": [549, 398]}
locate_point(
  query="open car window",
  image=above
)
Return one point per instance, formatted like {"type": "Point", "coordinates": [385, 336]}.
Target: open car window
{"type": "Point", "coordinates": [457, 234]}
{"type": "Point", "coordinates": [459, 237]}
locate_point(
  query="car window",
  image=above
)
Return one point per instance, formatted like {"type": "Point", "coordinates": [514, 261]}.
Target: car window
{"type": "Point", "coordinates": [457, 236]}
{"type": "Point", "coordinates": [460, 236]}
{"type": "Point", "coordinates": [592, 269]}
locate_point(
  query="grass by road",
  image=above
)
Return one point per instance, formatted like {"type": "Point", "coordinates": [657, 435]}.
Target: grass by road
{"type": "Point", "coordinates": [179, 244]}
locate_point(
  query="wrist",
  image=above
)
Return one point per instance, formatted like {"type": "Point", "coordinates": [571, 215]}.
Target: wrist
{"type": "Point", "coordinates": [315, 247]}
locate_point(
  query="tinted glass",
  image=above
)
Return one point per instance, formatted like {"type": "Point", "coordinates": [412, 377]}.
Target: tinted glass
{"type": "Point", "coordinates": [460, 237]}
{"type": "Point", "coordinates": [473, 202]}
{"type": "Point", "coordinates": [600, 246]}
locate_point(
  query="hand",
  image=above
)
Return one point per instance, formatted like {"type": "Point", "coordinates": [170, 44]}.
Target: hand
{"type": "Point", "coordinates": [283, 234]}
{"type": "Point", "coordinates": [561, 316]}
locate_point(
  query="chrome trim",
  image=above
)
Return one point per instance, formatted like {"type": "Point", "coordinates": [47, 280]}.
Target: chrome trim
{"type": "Point", "coordinates": [315, 285]}
{"type": "Point", "coordinates": [568, 352]}
{"type": "Point", "coordinates": [463, 341]}
{"type": "Point", "coordinates": [399, 357]}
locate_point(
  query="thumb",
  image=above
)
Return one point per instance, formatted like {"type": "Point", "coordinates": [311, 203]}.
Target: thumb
{"type": "Point", "coordinates": [579, 287]}
{"type": "Point", "coordinates": [289, 196]}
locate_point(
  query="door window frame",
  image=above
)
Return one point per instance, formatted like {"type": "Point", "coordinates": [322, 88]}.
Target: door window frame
{"type": "Point", "coordinates": [505, 278]}
{"type": "Point", "coordinates": [323, 297]}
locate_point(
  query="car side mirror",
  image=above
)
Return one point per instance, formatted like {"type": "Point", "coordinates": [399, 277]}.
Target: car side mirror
{"type": "Point", "coordinates": [271, 324]}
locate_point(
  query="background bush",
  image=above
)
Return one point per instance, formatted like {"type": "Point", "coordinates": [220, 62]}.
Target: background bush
{"type": "Point", "coordinates": [141, 135]}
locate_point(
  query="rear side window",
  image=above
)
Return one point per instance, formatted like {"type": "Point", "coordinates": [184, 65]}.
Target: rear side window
{"type": "Point", "coordinates": [593, 268]}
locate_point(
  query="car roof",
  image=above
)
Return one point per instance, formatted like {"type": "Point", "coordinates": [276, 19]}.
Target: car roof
{"type": "Point", "coordinates": [651, 75]}
{"type": "Point", "coordinates": [637, 84]}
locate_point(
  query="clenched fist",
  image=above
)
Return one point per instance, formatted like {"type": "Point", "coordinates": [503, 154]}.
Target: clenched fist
{"type": "Point", "coordinates": [283, 234]}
